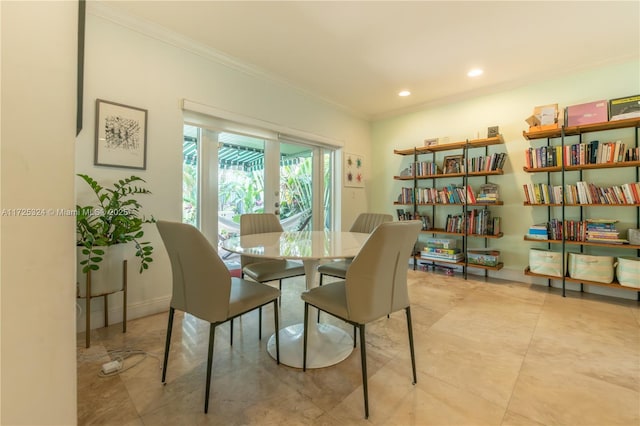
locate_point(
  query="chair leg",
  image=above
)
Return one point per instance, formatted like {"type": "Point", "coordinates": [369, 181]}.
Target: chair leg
{"type": "Point", "coordinates": [304, 338]}
{"type": "Point", "coordinates": [167, 344]}
{"type": "Point", "coordinates": [320, 285]}
{"type": "Point", "coordinates": [212, 335]}
{"type": "Point", "coordinates": [363, 356]}
{"type": "Point", "coordinates": [124, 296]}
{"type": "Point", "coordinates": [354, 336]}
{"type": "Point", "coordinates": [280, 288]}
{"type": "Point", "coordinates": [260, 323]}
{"type": "Point", "coordinates": [106, 311]}
{"type": "Point", "coordinates": [87, 318]}
{"type": "Point", "coordinates": [231, 332]}
{"type": "Point", "coordinates": [413, 356]}
{"type": "Point", "coordinates": [275, 316]}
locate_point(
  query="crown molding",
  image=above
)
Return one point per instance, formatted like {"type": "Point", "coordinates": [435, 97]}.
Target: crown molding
{"type": "Point", "coordinates": [102, 10]}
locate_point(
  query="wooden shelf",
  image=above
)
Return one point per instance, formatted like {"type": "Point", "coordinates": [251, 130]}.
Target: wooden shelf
{"type": "Point", "coordinates": [441, 231]}
{"type": "Point", "coordinates": [461, 234]}
{"type": "Point", "coordinates": [451, 175]}
{"type": "Point", "coordinates": [497, 203]}
{"type": "Point", "coordinates": [489, 268]}
{"type": "Point", "coordinates": [576, 130]}
{"type": "Point", "coordinates": [500, 235]}
{"type": "Point", "coordinates": [461, 263]}
{"type": "Point", "coordinates": [586, 243]}
{"type": "Point", "coordinates": [582, 167]}
{"type": "Point", "coordinates": [582, 205]}
{"type": "Point", "coordinates": [614, 284]}
{"type": "Point", "coordinates": [473, 143]}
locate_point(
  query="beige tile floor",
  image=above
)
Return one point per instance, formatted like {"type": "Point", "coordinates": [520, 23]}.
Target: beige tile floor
{"type": "Point", "coordinates": [488, 353]}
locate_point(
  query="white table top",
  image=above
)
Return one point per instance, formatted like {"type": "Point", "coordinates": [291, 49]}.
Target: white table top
{"type": "Point", "coordinates": [298, 244]}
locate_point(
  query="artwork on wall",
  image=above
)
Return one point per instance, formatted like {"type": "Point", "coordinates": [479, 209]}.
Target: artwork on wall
{"type": "Point", "coordinates": [353, 170]}
{"type": "Point", "coordinates": [121, 135]}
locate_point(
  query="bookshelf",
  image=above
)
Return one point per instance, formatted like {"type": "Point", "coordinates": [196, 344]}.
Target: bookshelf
{"type": "Point", "coordinates": [569, 156]}
{"type": "Point", "coordinates": [453, 201]}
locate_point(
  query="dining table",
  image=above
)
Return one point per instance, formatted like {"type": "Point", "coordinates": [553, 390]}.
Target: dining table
{"type": "Point", "coordinates": [327, 344]}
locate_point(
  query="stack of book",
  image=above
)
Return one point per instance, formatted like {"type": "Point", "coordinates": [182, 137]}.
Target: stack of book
{"type": "Point", "coordinates": [488, 193]}
{"type": "Point", "coordinates": [603, 231]}
{"type": "Point", "coordinates": [442, 250]}
{"type": "Point", "coordinates": [538, 232]}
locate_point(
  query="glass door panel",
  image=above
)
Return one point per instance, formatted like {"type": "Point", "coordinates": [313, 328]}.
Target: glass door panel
{"type": "Point", "coordinates": [296, 186]}
{"type": "Point", "coordinates": [240, 180]}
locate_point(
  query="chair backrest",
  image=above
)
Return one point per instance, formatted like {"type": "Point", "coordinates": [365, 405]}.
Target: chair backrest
{"type": "Point", "coordinates": [257, 223]}
{"type": "Point", "coordinates": [201, 281]}
{"type": "Point", "coordinates": [367, 222]}
{"type": "Point", "coordinates": [376, 281]}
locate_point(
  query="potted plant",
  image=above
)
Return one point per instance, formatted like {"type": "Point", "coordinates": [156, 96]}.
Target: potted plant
{"type": "Point", "coordinates": [114, 219]}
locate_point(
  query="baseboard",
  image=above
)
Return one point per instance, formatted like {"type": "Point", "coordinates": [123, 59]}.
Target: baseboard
{"type": "Point", "coordinates": [134, 310]}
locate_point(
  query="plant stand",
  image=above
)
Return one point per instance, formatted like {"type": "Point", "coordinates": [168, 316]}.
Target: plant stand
{"type": "Point", "coordinates": [106, 306]}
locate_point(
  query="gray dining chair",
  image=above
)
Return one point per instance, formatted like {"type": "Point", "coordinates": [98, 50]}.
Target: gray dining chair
{"type": "Point", "coordinates": [204, 288]}
{"type": "Point", "coordinates": [365, 223]}
{"type": "Point", "coordinates": [375, 286]}
{"type": "Point", "coordinates": [265, 270]}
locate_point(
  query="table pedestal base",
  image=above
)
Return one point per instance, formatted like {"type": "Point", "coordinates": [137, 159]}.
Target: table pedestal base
{"type": "Point", "coordinates": [326, 345]}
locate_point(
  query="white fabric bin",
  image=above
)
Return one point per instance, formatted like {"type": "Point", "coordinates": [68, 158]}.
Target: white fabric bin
{"type": "Point", "coordinates": [545, 262]}
{"type": "Point", "coordinates": [628, 271]}
{"type": "Point", "coordinates": [591, 268]}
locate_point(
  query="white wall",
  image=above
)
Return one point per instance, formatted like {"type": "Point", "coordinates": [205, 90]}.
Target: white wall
{"type": "Point", "coordinates": [131, 63]}
{"type": "Point", "coordinates": [508, 109]}
{"type": "Point", "coordinates": [38, 82]}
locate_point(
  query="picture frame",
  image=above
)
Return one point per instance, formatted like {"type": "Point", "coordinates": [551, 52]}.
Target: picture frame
{"type": "Point", "coordinates": [353, 170]}
{"type": "Point", "coordinates": [121, 136]}
{"type": "Point", "coordinates": [453, 164]}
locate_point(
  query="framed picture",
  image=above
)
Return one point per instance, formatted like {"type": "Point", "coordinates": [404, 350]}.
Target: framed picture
{"type": "Point", "coordinates": [121, 136]}
{"type": "Point", "coordinates": [353, 170]}
{"type": "Point", "coordinates": [453, 164]}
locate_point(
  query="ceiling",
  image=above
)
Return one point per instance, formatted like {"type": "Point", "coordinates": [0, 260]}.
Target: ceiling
{"type": "Point", "coordinates": [360, 54]}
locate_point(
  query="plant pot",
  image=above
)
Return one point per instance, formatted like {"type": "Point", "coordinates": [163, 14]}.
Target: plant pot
{"type": "Point", "coordinates": [108, 278]}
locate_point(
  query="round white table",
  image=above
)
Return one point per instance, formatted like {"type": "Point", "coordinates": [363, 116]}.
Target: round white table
{"type": "Point", "coordinates": [326, 344]}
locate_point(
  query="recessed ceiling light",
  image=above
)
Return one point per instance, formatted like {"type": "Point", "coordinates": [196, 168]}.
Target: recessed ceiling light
{"type": "Point", "coordinates": [475, 72]}
{"type": "Point", "coordinates": [404, 93]}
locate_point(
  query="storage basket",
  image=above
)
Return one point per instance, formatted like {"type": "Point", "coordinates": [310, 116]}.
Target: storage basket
{"type": "Point", "coordinates": [591, 268]}
{"type": "Point", "coordinates": [545, 262]}
{"type": "Point", "coordinates": [628, 271]}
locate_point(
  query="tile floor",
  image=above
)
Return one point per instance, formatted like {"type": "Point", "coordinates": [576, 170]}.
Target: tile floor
{"type": "Point", "coordinates": [488, 353]}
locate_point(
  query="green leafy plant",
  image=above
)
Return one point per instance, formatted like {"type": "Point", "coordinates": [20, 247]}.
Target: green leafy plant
{"type": "Point", "coordinates": [114, 219]}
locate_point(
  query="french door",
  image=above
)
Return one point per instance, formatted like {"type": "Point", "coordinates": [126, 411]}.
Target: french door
{"type": "Point", "coordinates": [227, 174]}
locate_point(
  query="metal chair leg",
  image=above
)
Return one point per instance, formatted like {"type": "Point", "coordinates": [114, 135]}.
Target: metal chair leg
{"type": "Point", "coordinates": [167, 344]}
{"type": "Point", "coordinates": [87, 331]}
{"type": "Point", "coordinates": [212, 335]}
{"type": "Point", "coordinates": [320, 285]}
{"type": "Point", "coordinates": [260, 323]}
{"type": "Point", "coordinates": [304, 338]}
{"type": "Point", "coordinates": [363, 356]}
{"type": "Point", "coordinates": [413, 355]}
{"type": "Point", "coordinates": [231, 332]}
{"type": "Point", "coordinates": [124, 296]}
{"type": "Point", "coordinates": [106, 310]}
{"type": "Point", "coordinates": [275, 315]}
